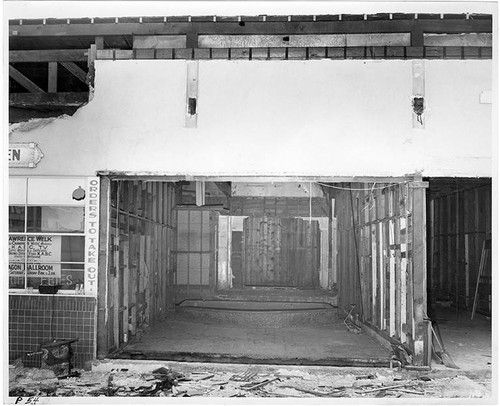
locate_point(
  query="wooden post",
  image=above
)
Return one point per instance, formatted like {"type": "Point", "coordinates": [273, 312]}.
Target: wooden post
{"type": "Point", "coordinates": [467, 271]}
{"type": "Point", "coordinates": [449, 237]}
{"type": "Point", "coordinates": [381, 277]}
{"type": "Point", "coordinates": [431, 248]}
{"type": "Point", "coordinates": [102, 280]}
{"type": "Point", "coordinates": [52, 85]}
{"type": "Point", "coordinates": [419, 274]}
{"type": "Point", "coordinates": [392, 269]}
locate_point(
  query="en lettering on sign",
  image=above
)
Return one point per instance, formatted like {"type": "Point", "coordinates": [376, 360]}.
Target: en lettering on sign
{"type": "Point", "coordinates": [24, 155]}
{"type": "Point", "coordinates": [91, 235]}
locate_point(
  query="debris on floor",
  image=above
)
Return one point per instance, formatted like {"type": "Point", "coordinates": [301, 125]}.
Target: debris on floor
{"type": "Point", "coordinates": [176, 379]}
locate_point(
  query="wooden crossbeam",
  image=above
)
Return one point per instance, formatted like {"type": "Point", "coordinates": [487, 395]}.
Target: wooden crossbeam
{"type": "Point", "coordinates": [75, 70]}
{"type": "Point", "coordinates": [23, 80]}
{"type": "Point", "coordinates": [283, 27]}
{"type": "Point", "coordinates": [66, 99]}
{"type": "Point", "coordinates": [49, 55]}
{"type": "Point", "coordinates": [224, 187]}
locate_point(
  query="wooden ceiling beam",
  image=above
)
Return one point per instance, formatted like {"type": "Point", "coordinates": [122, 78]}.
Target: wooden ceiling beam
{"type": "Point", "coordinates": [49, 55]}
{"type": "Point", "coordinates": [49, 100]}
{"type": "Point", "coordinates": [451, 26]}
{"type": "Point", "coordinates": [75, 70]}
{"type": "Point", "coordinates": [24, 81]}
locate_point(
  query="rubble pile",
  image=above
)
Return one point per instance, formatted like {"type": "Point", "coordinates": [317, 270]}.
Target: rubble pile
{"type": "Point", "coordinates": [243, 381]}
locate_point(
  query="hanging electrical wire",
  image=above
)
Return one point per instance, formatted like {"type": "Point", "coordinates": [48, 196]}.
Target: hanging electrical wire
{"type": "Point", "coordinates": [362, 189]}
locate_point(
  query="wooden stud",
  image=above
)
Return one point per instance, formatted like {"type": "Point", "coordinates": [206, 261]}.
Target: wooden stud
{"type": "Point", "coordinates": [104, 263]}
{"type": "Point", "coordinates": [381, 276]}
{"type": "Point", "coordinates": [392, 268]}
{"type": "Point", "coordinates": [52, 77]}
{"type": "Point", "coordinates": [419, 273]}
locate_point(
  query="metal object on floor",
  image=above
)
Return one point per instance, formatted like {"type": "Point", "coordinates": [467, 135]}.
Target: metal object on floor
{"type": "Point", "coordinates": [57, 355]}
{"type": "Point", "coordinates": [443, 354]}
{"type": "Point", "coordinates": [353, 328]}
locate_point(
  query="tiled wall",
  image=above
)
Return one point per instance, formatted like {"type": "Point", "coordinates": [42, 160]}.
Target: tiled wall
{"type": "Point", "coordinates": [30, 324]}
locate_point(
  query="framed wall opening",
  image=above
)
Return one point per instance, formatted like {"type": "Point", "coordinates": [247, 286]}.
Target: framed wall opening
{"type": "Point", "coordinates": [265, 253]}
{"type": "Point", "coordinates": [459, 260]}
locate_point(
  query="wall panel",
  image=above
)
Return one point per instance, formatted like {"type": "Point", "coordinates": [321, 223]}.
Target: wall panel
{"type": "Point", "coordinates": [382, 258]}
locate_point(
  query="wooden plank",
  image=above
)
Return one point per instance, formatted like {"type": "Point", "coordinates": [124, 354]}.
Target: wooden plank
{"type": "Point", "coordinates": [467, 271]}
{"type": "Point", "coordinates": [432, 232]}
{"type": "Point", "coordinates": [419, 274]}
{"type": "Point", "coordinates": [24, 81]}
{"type": "Point", "coordinates": [159, 41]}
{"type": "Point", "coordinates": [303, 40]}
{"type": "Point", "coordinates": [251, 27]}
{"type": "Point", "coordinates": [52, 77]}
{"type": "Point", "coordinates": [48, 55]}
{"type": "Point", "coordinates": [76, 71]}
{"type": "Point", "coordinates": [104, 261]}
{"type": "Point", "coordinates": [398, 279]}
{"type": "Point", "coordinates": [392, 281]}
{"type": "Point", "coordinates": [42, 99]}
{"type": "Point", "coordinates": [333, 279]}
{"type": "Point", "coordinates": [381, 277]}
{"type": "Point", "coordinates": [126, 288]}
{"type": "Point", "coordinates": [449, 241]}
{"type": "Point", "coordinates": [405, 280]}
{"type": "Point", "coordinates": [458, 40]}
{"type": "Point", "coordinates": [115, 292]}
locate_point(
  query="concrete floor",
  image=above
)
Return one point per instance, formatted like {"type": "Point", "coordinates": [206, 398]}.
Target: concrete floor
{"type": "Point", "coordinates": [469, 342]}
{"type": "Point", "coordinates": [317, 341]}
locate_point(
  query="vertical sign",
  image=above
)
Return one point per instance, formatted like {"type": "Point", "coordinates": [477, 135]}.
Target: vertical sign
{"type": "Point", "coordinates": [91, 235]}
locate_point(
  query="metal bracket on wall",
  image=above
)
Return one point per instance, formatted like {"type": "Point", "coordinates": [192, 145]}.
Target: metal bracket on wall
{"type": "Point", "coordinates": [418, 94]}
{"type": "Point", "coordinates": [191, 94]}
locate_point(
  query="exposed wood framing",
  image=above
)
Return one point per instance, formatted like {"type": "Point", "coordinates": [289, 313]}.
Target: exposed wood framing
{"type": "Point", "coordinates": [385, 231]}
{"type": "Point", "coordinates": [24, 81]}
{"type": "Point", "coordinates": [48, 55]}
{"type": "Point", "coordinates": [302, 53]}
{"type": "Point", "coordinates": [255, 27]}
{"type": "Point", "coordinates": [136, 287]}
{"type": "Point", "coordinates": [224, 187]}
{"type": "Point", "coordinates": [75, 70]}
{"type": "Point", "coordinates": [104, 264]}
{"type": "Point", "coordinates": [303, 40]}
{"type": "Point", "coordinates": [52, 80]}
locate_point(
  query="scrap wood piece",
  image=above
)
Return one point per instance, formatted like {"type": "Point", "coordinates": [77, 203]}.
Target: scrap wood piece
{"type": "Point", "coordinates": [311, 392]}
{"type": "Point", "coordinates": [244, 376]}
{"type": "Point", "coordinates": [267, 381]}
{"type": "Point", "coordinates": [206, 377]}
{"type": "Point", "coordinates": [387, 388]}
{"type": "Point", "coordinates": [408, 391]}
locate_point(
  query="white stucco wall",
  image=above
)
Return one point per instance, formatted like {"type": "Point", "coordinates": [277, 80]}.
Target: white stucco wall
{"type": "Point", "coordinates": [330, 118]}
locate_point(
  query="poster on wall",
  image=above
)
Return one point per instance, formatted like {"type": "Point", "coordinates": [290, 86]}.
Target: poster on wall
{"type": "Point", "coordinates": [43, 251]}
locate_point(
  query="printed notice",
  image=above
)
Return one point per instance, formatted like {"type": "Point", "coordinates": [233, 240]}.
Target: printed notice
{"type": "Point", "coordinates": [43, 251]}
